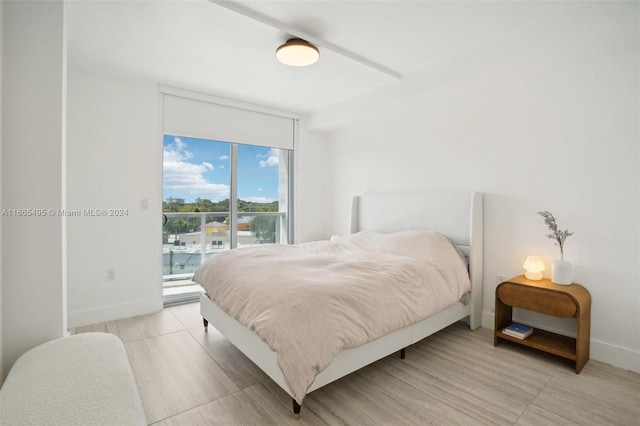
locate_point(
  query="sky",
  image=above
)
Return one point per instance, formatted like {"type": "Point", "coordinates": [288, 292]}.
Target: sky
{"type": "Point", "coordinates": [195, 168]}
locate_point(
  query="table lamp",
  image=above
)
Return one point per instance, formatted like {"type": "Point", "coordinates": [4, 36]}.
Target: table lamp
{"type": "Point", "coordinates": [533, 268]}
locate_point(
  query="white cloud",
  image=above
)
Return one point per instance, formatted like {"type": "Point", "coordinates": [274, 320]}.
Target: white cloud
{"type": "Point", "coordinates": [180, 146]}
{"type": "Point", "coordinates": [181, 175]}
{"type": "Point", "coordinates": [259, 189]}
{"type": "Point", "coordinates": [177, 151]}
{"type": "Point", "coordinates": [224, 158]}
{"type": "Point", "coordinates": [272, 159]}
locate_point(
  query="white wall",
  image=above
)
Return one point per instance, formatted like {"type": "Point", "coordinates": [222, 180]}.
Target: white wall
{"type": "Point", "coordinates": [547, 120]}
{"type": "Point", "coordinates": [313, 182]}
{"type": "Point", "coordinates": [114, 162]}
{"type": "Point", "coordinates": [33, 116]}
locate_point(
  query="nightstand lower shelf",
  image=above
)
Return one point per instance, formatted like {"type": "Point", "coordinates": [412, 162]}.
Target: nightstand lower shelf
{"type": "Point", "coordinates": [547, 341]}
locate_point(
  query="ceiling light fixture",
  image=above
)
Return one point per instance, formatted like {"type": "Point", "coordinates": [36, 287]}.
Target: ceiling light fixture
{"type": "Point", "coordinates": [297, 53]}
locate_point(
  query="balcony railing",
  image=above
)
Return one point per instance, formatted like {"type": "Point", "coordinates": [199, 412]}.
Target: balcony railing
{"type": "Point", "coordinates": [190, 238]}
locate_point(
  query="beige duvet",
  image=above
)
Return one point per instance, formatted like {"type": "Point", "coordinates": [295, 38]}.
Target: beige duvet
{"type": "Point", "coordinates": [309, 301]}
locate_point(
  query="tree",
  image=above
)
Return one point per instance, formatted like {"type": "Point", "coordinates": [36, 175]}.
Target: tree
{"type": "Point", "coordinates": [264, 228]}
{"type": "Point", "coordinates": [181, 225]}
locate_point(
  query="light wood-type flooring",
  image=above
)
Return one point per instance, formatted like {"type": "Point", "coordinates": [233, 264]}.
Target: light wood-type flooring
{"type": "Point", "coordinates": [455, 377]}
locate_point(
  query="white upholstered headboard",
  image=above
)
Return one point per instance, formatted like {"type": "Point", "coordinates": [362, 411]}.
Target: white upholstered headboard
{"type": "Point", "coordinates": [456, 214]}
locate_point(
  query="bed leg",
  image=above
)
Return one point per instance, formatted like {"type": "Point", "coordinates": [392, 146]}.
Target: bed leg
{"type": "Point", "coordinates": [296, 409]}
{"type": "Point", "coordinates": [402, 353]}
{"type": "Point", "coordinates": [206, 324]}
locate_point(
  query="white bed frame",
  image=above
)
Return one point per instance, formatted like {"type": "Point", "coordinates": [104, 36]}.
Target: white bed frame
{"type": "Point", "coordinates": [455, 214]}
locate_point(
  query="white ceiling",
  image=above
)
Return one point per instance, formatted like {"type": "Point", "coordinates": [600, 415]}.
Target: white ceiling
{"type": "Point", "coordinates": [228, 48]}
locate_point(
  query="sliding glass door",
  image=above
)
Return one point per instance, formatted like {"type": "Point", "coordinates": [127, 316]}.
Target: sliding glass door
{"type": "Point", "coordinates": [219, 196]}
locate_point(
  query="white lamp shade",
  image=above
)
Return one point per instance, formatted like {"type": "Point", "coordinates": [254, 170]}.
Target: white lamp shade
{"type": "Point", "coordinates": [297, 53]}
{"type": "Point", "coordinates": [533, 268]}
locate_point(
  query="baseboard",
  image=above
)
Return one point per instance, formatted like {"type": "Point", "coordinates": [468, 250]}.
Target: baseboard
{"type": "Point", "coordinates": [113, 312]}
{"type": "Point", "coordinates": [617, 356]}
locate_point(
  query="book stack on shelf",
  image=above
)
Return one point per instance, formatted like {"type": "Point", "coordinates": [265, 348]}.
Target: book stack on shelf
{"type": "Point", "coordinates": [519, 331]}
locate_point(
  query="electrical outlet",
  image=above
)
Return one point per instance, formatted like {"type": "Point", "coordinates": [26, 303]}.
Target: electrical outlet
{"type": "Point", "coordinates": [500, 278]}
{"type": "Point", "coordinates": [111, 274]}
{"type": "Point", "coordinates": [144, 204]}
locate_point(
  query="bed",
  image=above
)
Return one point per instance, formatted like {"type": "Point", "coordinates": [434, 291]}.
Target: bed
{"type": "Point", "coordinates": [457, 215]}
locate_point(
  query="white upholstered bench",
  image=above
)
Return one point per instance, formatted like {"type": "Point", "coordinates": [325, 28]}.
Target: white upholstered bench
{"type": "Point", "coordinates": [85, 379]}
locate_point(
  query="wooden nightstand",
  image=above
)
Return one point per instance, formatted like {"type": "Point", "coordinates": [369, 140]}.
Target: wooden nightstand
{"type": "Point", "coordinates": [543, 296]}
